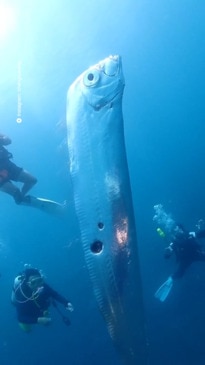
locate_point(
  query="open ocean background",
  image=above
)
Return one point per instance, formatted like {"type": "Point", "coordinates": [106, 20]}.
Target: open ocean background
{"type": "Point", "coordinates": [47, 46]}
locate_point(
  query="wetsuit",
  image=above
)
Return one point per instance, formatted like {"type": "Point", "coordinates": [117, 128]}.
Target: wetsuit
{"type": "Point", "coordinates": [30, 307]}
{"type": "Point", "coordinates": [187, 250]}
{"type": "Point", "coordinates": [8, 170]}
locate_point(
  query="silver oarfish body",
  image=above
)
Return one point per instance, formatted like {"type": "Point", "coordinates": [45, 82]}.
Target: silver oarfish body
{"type": "Point", "coordinates": [103, 204]}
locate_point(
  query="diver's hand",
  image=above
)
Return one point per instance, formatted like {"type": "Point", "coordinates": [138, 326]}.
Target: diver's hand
{"type": "Point", "coordinates": [44, 320]}
{"type": "Point", "coordinates": [69, 307]}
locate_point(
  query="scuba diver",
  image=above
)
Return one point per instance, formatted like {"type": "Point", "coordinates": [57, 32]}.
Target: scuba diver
{"type": "Point", "coordinates": [32, 297]}
{"type": "Point", "coordinates": [11, 172]}
{"type": "Point", "coordinates": [187, 250]}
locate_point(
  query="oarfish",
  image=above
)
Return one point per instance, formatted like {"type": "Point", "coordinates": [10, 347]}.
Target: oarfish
{"type": "Point", "coordinates": [103, 203]}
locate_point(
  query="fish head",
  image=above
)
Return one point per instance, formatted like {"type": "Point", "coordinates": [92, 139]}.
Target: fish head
{"type": "Point", "coordinates": [103, 83]}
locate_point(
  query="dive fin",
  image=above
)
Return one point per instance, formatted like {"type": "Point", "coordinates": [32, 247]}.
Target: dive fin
{"type": "Point", "coordinates": [164, 289]}
{"type": "Point", "coordinates": [48, 206]}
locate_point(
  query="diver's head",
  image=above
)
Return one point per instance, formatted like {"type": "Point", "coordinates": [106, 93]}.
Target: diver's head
{"type": "Point", "coordinates": [33, 279]}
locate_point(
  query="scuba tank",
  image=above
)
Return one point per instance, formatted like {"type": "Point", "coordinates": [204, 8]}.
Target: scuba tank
{"type": "Point", "coordinates": [17, 283]}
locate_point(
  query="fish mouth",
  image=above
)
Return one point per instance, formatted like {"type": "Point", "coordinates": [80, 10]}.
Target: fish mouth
{"type": "Point", "coordinates": [110, 66]}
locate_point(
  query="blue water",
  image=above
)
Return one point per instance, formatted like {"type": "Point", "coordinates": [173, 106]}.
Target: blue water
{"type": "Point", "coordinates": [163, 53]}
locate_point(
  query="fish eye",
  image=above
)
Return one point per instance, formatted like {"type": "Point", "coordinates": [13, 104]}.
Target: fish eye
{"type": "Point", "coordinates": [91, 78]}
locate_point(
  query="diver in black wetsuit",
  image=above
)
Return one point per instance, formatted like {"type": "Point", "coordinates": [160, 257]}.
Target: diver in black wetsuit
{"type": "Point", "coordinates": [10, 172]}
{"type": "Point", "coordinates": [187, 249]}
{"type": "Point", "coordinates": [32, 298]}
